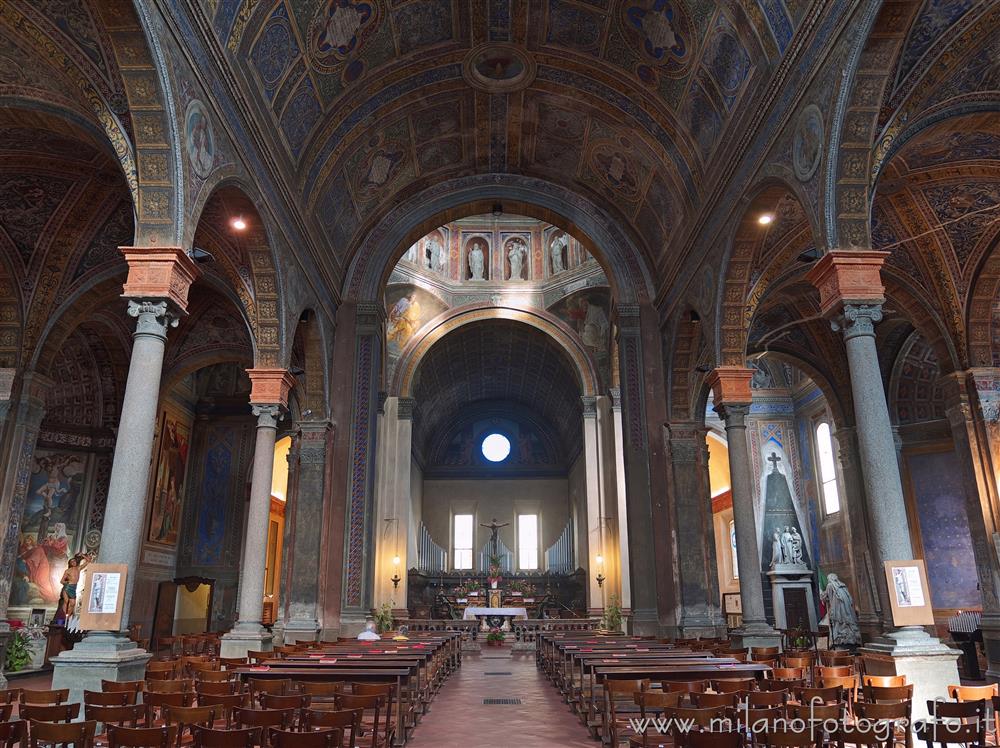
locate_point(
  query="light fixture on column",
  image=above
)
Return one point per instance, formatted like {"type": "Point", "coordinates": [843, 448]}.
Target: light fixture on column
{"type": "Point", "coordinates": [600, 576]}
{"type": "Point", "coordinates": [396, 579]}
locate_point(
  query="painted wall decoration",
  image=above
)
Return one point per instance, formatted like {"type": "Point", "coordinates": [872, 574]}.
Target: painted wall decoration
{"type": "Point", "coordinates": [588, 312]}
{"type": "Point", "coordinates": [214, 496]}
{"type": "Point", "coordinates": [939, 500]}
{"type": "Point", "coordinates": [55, 498]}
{"type": "Point", "coordinates": [661, 31]}
{"type": "Point", "coordinates": [338, 32]}
{"type": "Point", "coordinates": [168, 488]}
{"type": "Point", "coordinates": [408, 309]}
{"type": "Point", "coordinates": [199, 138]}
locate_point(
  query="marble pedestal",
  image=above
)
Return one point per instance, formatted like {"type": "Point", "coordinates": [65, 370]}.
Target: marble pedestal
{"type": "Point", "coordinates": [100, 656]}
{"type": "Point", "coordinates": [927, 663]}
{"type": "Point", "coordinates": [301, 631]}
{"type": "Point", "coordinates": [755, 636]}
{"type": "Point", "coordinates": [239, 641]}
{"type": "Point", "coordinates": [785, 577]}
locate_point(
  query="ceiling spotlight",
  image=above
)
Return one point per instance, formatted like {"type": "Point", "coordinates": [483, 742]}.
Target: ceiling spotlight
{"type": "Point", "coordinates": [764, 219]}
{"type": "Point", "coordinates": [238, 223]}
{"type": "Point", "coordinates": [497, 210]}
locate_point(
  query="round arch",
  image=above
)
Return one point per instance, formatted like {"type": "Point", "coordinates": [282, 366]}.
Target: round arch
{"type": "Point", "coordinates": [262, 304]}
{"type": "Point", "coordinates": [735, 307]}
{"type": "Point", "coordinates": [416, 349]}
{"type": "Point", "coordinates": [627, 269]}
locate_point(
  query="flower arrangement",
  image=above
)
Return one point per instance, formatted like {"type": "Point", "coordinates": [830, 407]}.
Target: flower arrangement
{"type": "Point", "coordinates": [521, 587]}
{"type": "Point", "coordinates": [495, 637]}
{"type": "Point", "coordinates": [383, 618]}
{"type": "Point", "coordinates": [612, 618]}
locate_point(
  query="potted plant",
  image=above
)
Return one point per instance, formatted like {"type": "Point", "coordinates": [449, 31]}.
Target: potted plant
{"type": "Point", "coordinates": [494, 638]}
{"type": "Point", "coordinates": [19, 654]}
{"type": "Point", "coordinates": [612, 618]}
{"type": "Point", "coordinates": [383, 618]}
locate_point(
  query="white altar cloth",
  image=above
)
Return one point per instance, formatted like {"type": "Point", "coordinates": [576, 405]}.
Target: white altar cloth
{"type": "Point", "coordinates": [518, 614]}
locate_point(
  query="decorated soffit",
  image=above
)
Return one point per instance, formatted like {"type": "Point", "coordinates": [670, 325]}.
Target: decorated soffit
{"type": "Point", "coordinates": [624, 101]}
{"type": "Point", "coordinates": [497, 361]}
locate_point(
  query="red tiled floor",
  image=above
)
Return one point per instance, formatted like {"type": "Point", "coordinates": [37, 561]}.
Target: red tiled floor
{"type": "Point", "coordinates": [459, 718]}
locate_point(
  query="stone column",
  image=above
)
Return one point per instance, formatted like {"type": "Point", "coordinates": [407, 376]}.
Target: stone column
{"type": "Point", "coordinates": [595, 524]}
{"type": "Point", "coordinates": [621, 496]}
{"type": "Point", "coordinates": [306, 519]}
{"type": "Point", "coordinates": [268, 398]}
{"type": "Point", "coordinates": [701, 613]}
{"type": "Point", "coordinates": [851, 295]}
{"type": "Point", "coordinates": [973, 408]}
{"type": "Point", "coordinates": [156, 288]}
{"type": "Point", "coordinates": [731, 389]}
{"type": "Point", "coordinates": [393, 503]}
{"type": "Point", "coordinates": [866, 592]}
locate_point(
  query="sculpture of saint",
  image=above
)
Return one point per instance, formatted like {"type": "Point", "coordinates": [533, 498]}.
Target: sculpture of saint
{"type": "Point", "coordinates": [556, 253]}
{"type": "Point", "coordinates": [477, 262]}
{"type": "Point", "coordinates": [777, 552]}
{"type": "Point", "coordinates": [843, 619]}
{"type": "Point", "coordinates": [516, 252]}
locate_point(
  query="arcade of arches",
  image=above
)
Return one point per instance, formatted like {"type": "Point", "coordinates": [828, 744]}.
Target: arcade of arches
{"type": "Point", "coordinates": [684, 310]}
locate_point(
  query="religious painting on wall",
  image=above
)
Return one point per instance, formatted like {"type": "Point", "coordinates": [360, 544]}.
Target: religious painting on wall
{"type": "Point", "coordinates": [407, 310]}
{"type": "Point", "coordinates": [215, 495]}
{"type": "Point", "coordinates": [55, 498]}
{"type": "Point", "coordinates": [168, 487]}
{"type": "Point", "coordinates": [588, 312]}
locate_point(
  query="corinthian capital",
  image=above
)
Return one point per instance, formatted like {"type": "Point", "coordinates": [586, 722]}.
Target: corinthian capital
{"type": "Point", "coordinates": [153, 317]}
{"type": "Point", "coordinates": [268, 415]}
{"type": "Point", "coordinates": [858, 319]}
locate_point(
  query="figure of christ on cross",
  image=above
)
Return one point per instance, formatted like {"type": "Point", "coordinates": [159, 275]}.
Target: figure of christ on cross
{"type": "Point", "coordinates": [494, 535]}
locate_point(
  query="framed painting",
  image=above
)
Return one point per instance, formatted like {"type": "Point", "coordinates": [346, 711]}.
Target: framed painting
{"type": "Point", "coordinates": [168, 486]}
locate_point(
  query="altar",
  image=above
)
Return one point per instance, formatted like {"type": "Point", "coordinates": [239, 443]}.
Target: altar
{"type": "Point", "coordinates": [495, 617]}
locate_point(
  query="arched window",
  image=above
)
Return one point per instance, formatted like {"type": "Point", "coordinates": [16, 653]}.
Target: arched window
{"type": "Point", "coordinates": [827, 469]}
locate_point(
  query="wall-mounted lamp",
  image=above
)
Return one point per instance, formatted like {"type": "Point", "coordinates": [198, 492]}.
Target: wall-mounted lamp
{"type": "Point", "coordinates": [600, 576]}
{"type": "Point", "coordinates": [396, 579]}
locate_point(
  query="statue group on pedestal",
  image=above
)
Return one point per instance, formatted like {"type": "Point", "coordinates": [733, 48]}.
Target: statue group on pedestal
{"type": "Point", "coordinates": [786, 547]}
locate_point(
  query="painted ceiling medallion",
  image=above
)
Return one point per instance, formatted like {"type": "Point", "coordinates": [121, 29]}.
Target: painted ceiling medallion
{"type": "Point", "coordinates": [806, 147]}
{"type": "Point", "coordinates": [499, 68]}
{"type": "Point", "coordinates": [661, 32]}
{"type": "Point", "coordinates": [338, 32]}
{"type": "Point", "coordinates": [379, 167]}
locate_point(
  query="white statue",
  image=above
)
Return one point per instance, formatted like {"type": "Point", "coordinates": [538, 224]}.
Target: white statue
{"type": "Point", "coordinates": [795, 548]}
{"type": "Point", "coordinates": [843, 619]}
{"type": "Point", "coordinates": [777, 552]}
{"type": "Point", "coordinates": [515, 253]}
{"type": "Point", "coordinates": [786, 544]}
{"type": "Point", "coordinates": [556, 253]}
{"type": "Point", "coordinates": [435, 255]}
{"type": "Point", "coordinates": [477, 262]}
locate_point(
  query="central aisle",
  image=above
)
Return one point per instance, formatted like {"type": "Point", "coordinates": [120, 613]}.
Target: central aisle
{"type": "Point", "coordinates": [458, 717]}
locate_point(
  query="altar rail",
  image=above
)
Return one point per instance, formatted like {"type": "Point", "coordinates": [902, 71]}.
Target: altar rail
{"type": "Point", "coordinates": [523, 631]}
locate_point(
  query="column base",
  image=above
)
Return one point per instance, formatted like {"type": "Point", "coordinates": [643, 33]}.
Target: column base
{"type": "Point", "coordinates": [299, 630]}
{"type": "Point", "coordinates": [102, 655]}
{"type": "Point", "coordinates": [755, 635]}
{"type": "Point", "coordinates": [701, 623]}
{"type": "Point", "coordinates": [645, 622]}
{"type": "Point", "coordinates": [927, 663]}
{"type": "Point", "coordinates": [246, 637]}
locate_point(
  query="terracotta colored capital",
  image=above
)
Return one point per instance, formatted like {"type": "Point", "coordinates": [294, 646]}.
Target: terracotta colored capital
{"type": "Point", "coordinates": [270, 386]}
{"type": "Point", "coordinates": [730, 385]}
{"type": "Point", "coordinates": [159, 273]}
{"type": "Point", "coordinates": [847, 276]}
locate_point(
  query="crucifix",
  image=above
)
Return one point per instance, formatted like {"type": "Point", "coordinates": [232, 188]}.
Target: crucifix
{"type": "Point", "coordinates": [774, 460]}
{"type": "Point", "coordinates": [494, 535]}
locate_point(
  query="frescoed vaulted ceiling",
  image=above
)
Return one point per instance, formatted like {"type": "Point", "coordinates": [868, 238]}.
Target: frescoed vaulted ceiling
{"type": "Point", "coordinates": [624, 101]}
